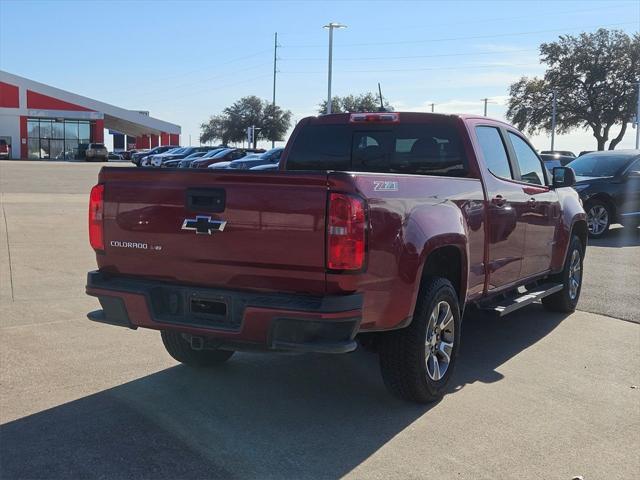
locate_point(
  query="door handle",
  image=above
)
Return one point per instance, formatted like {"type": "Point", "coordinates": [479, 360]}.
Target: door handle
{"type": "Point", "coordinates": [499, 201]}
{"type": "Point", "coordinates": [532, 202]}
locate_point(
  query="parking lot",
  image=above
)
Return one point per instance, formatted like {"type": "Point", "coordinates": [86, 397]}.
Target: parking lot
{"type": "Point", "coordinates": [537, 395]}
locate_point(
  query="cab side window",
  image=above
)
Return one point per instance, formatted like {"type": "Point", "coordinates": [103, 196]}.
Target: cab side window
{"type": "Point", "coordinates": [528, 161]}
{"type": "Point", "coordinates": [494, 152]}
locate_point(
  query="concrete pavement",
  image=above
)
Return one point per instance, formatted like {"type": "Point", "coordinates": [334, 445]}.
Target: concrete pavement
{"type": "Point", "coordinates": [536, 395]}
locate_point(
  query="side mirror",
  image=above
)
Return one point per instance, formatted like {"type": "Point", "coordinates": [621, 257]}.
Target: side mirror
{"type": "Point", "coordinates": [563, 177]}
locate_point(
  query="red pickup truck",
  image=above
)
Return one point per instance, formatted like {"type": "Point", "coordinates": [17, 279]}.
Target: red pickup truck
{"type": "Point", "coordinates": [378, 226]}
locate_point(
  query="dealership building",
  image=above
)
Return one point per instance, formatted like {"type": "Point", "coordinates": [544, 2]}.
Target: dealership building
{"type": "Point", "coordinates": [38, 121]}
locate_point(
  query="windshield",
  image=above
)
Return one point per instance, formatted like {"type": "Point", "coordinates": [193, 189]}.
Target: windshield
{"type": "Point", "coordinates": [195, 155]}
{"type": "Point", "coordinates": [173, 150]}
{"type": "Point", "coordinates": [221, 153]}
{"type": "Point", "coordinates": [599, 165]}
{"type": "Point", "coordinates": [272, 154]}
{"type": "Point", "coordinates": [212, 153]}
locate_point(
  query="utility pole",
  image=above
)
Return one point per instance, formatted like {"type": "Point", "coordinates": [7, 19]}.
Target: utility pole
{"type": "Point", "coordinates": [485, 100]}
{"type": "Point", "coordinates": [638, 118]}
{"type": "Point", "coordinates": [553, 119]}
{"type": "Point", "coordinates": [275, 71]}
{"type": "Point", "coordinates": [331, 26]}
{"type": "Point", "coordinates": [189, 139]}
{"type": "Point", "coordinates": [433, 105]}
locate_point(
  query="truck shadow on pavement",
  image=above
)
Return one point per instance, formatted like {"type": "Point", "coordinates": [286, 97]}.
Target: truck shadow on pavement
{"type": "Point", "coordinates": [258, 416]}
{"type": "Point", "coordinates": [618, 237]}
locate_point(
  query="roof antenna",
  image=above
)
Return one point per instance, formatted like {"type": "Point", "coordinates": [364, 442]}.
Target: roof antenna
{"type": "Point", "coordinates": [382, 109]}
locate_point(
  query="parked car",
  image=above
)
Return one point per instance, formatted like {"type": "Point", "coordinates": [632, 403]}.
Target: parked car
{"type": "Point", "coordinates": [584, 152]}
{"type": "Point", "coordinates": [176, 162]}
{"type": "Point", "coordinates": [226, 155]}
{"type": "Point", "coordinates": [114, 156]}
{"type": "Point", "coordinates": [385, 227]}
{"type": "Point", "coordinates": [127, 154]}
{"type": "Point", "coordinates": [5, 149]}
{"type": "Point", "coordinates": [563, 153]}
{"type": "Point", "coordinates": [96, 152]}
{"type": "Point", "coordinates": [145, 161]}
{"type": "Point", "coordinates": [609, 185]}
{"type": "Point", "coordinates": [555, 160]}
{"type": "Point", "coordinates": [140, 155]}
{"type": "Point", "coordinates": [158, 160]}
{"type": "Point", "coordinates": [220, 165]}
{"type": "Point", "coordinates": [270, 157]}
{"type": "Point", "coordinates": [186, 162]}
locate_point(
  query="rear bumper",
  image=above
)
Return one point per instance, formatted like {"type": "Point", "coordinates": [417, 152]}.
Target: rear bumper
{"type": "Point", "coordinates": [232, 319]}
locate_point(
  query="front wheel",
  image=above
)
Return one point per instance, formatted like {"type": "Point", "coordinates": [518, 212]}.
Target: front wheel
{"type": "Point", "coordinates": [417, 361]}
{"type": "Point", "coordinates": [181, 350]}
{"type": "Point", "coordinates": [598, 218]}
{"type": "Point", "coordinates": [566, 300]}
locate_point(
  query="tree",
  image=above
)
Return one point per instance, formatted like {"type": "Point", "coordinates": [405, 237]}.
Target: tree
{"type": "Point", "coordinates": [593, 75]}
{"type": "Point", "coordinates": [231, 125]}
{"type": "Point", "coordinates": [365, 102]}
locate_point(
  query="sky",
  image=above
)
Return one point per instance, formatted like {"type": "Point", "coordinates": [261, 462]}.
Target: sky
{"type": "Point", "coordinates": [185, 61]}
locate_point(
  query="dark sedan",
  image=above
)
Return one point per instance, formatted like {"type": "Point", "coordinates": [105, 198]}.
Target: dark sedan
{"type": "Point", "coordinates": [158, 160]}
{"type": "Point", "coordinates": [138, 156]}
{"type": "Point", "coordinates": [609, 185]}
{"type": "Point", "coordinates": [552, 160]}
{"type": "Point", "coordinates": [270, 157]}
{"type": "Point", "coordinates": [563, 153]}
{"type": "Point", "coordinates": [187, 161]}
{"type": "Point", "coordinates": [228, 154]}
{"type": "Point", "coordinates": [175, 163]}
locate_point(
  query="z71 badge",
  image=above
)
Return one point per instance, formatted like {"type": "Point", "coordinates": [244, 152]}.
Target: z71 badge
{"type": "Point", "coordinates": [385, 186]}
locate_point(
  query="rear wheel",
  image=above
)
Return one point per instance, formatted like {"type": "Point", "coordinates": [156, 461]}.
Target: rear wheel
{"type": "Point", "coordinates": [598, 218]}
{"type": "Point", "coordinates": [566, 300]}
{"type": "Point", "coordinates": [417, 361]}
{"type": "Point", "coordinates": [180, 349]}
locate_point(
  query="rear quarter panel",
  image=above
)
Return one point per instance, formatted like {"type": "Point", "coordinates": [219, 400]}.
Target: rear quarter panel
{"type": "Point", "coordinates": [408, 220]}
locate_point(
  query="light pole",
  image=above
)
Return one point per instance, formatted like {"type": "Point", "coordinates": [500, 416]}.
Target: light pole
{"type": "Point", "coordinates": [553, 119]}
{"type": "Point", "coordinates": [331, 26]}
{"type": "Point", "coordinates": [485, 100]}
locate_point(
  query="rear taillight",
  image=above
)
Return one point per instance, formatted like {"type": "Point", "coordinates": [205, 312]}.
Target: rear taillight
{"type": "Point", "coordinates": [96, 214]}
{"type": "Point", "coordinates": [345, 232]}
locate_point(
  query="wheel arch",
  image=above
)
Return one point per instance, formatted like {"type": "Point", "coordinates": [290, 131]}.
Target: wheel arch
{"type": "Point", "coordinates": [580, 229]}
{"type": "Point", "coordinates": [450, 262]}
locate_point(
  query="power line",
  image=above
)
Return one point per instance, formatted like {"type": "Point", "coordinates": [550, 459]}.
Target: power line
{"type": "Point", "coordinates": [198, 80]}
{"type": "Point", "coordinates": [157, 80]}
{"type": "Point", "coordinates": [475, 21]}
{"type": "Point", "coordinates": [471, 37]}
{"type": "Point", "coordinates": [462, 67]}
{"type": "Point", "coordinates": [401, 57]}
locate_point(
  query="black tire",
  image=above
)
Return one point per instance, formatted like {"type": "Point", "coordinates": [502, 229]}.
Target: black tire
{"type": "Point", "coordinates": [598, 206]}
{"type": "Point", "coordinates": [565, 301]}
{"type": "Point", "coordinates": [181, 351]}
{"type": "Point", "coordinates": [403, 353]}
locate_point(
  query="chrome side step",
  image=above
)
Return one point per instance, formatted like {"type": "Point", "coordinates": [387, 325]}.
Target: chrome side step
{"type": "Point", "coordinates": [503, 306]}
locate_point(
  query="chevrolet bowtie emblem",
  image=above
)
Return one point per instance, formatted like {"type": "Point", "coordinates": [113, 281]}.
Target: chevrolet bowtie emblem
{"type": "Point", "coordinates": [203, 225]}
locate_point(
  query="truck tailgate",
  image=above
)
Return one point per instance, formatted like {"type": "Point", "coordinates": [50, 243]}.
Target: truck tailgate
{"type": "Point", "coordinates": [273, 239]}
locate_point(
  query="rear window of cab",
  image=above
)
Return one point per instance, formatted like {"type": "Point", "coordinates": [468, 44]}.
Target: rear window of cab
{"type": "Point", "coordinates": [409, 148]}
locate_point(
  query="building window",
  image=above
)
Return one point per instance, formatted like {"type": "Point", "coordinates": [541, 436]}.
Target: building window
{"type": "Point", "coordinates": [56, 139]}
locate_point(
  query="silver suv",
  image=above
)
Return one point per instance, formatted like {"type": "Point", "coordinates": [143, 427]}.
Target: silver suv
{"type": "Point", "coordinates": [96, 151]}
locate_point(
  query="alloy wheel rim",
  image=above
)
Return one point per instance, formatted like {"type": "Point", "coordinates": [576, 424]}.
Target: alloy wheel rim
{"type": "Point", "coordinates": [439, 340]}
{"type": "Point", "coordinates": [575, 274]}
{"type": "Point", "coordinates": [597, 219]}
